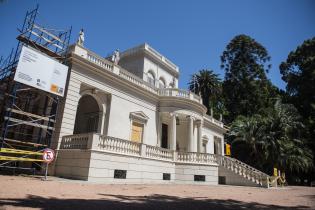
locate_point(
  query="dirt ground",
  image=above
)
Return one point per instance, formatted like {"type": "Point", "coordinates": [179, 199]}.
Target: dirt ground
{"type": "Point", "coordinates": [18, 192]}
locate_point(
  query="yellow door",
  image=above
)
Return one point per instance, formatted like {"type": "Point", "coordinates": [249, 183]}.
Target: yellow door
{"type": "Point", "coordinates": [136, 132]}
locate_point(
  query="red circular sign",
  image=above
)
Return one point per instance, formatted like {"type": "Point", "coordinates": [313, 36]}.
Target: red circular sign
{"type": "Point", "coordinates": [48, 155]}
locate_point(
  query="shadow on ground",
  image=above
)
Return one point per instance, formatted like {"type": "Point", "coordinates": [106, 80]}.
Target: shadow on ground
{"type": "Point", "coordinates": [152, 202]}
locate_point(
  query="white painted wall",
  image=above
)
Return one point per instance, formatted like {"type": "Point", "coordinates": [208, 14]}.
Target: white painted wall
{"type": "Point", "coordinates": [120, 122]}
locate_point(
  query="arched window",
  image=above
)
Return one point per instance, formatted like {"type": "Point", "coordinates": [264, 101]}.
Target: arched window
{"type": "Point", "coordinates": [162, 83]}
{"type": "Point", "coordinates": [87, 117]}
{"type": "Point", "coordinates": [151, 78]}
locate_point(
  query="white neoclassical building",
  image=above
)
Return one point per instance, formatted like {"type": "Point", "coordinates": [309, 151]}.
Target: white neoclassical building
{"type": "Point", "coordinates": [128, 122]}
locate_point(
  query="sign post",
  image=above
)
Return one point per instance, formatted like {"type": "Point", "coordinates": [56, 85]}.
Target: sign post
{"type": "Point", "coordinates": [48, 157]}
{"type": "Point", "coordinates": [41, 72]}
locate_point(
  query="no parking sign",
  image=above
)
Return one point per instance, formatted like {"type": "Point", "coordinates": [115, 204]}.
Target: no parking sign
{"type": "Point", "coordinates": [48, 155]}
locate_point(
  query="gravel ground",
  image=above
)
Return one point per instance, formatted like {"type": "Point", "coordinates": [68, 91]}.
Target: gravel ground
{"type": "Point", "coordinates": [18, 192]}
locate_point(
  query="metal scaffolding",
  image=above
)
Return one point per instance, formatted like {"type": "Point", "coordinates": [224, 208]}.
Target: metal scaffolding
{"type": "Point", "coordinates": [28, 115]}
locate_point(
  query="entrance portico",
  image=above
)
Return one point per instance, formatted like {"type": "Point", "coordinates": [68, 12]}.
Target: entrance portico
{"type": "Point", "coordinates": [183, 131]}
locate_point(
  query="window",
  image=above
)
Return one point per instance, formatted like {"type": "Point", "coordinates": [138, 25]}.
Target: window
{"type": "Point", "coordinates": [151, 78]}
{"type": "Point", "coordinates": [166, 176]}
{"type": "Point", "coordinates": [199, 178]}
{"type": "Point", "coordinates": [137, 132]}
{"type": "Point", "coordinates": [120, 174]}
{"type": "Point", "coordinates": [161, 83]}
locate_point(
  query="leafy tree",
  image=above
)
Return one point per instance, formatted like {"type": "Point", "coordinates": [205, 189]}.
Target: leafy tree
{"type": "Point", "coordinates": [298, 71]}
{"type": "Point", "coordinates": [246, 88]}
{"type": "Point", "coordinates": [209, 86]}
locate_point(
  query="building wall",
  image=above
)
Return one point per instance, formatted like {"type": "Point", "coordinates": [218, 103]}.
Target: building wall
{"type": "Point", "coordinates": [185, 173]}
{"type": "Point", "coordinates": [99, 167]}
{"type": "Point", "coordinates": [73, 164]}
{"type": "Point", "coordinates": [133, 64]}
{"type": "Point", "coordinates": [120, 122]}
{"type": "Point", "coordinates": [139, 170]}
{"type": "Point", "coordinates": [66, 111]}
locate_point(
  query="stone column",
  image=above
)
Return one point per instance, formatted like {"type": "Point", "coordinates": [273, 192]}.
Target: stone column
{"type": "Point", "coordinates": [190, 135]}
{"type": "Point", "coordinates": [173, 132]}
{"type": "Point", "coordinates": [199, 136]}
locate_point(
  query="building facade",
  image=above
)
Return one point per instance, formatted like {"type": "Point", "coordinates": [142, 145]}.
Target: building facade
{"type": "Point", "coordinates": [127, 122]}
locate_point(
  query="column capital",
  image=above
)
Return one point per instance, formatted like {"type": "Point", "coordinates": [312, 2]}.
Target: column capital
{"type": "Point", "coordinates": [189, 117]}
{"type": "Point", "coordinates": [172, 114]}
{"type": "Point", "coordinates": [199, 122]}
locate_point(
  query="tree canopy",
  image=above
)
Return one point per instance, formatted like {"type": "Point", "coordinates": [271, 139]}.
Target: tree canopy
{"type": "Point", "coordinates": [268, 127]}
{"type": "Point", "coordinates": [246, 88]}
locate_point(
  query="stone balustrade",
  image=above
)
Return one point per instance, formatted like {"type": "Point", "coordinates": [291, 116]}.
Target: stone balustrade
{"type": "Point", "coordinates": [108, 143]}
{"type": "Point", "coordinates": [125, 147]}
{"type": "Point", "coordinates": [244, 170]}
{"type": "Point", "coordinates": [104, 63]}
{"type": "Point", "coordinates": [174, 92]}
{"type": "Point", "coordinates": [136, 80]}
{"type": "Point", "coordinates": [78, 141]}
{"type": "Point", "coordinates": [101, 143]}
{"type": "Point", "coordinates": [214, 121]}
{"type": "Point", "coordinates": [196, 158]}
{"type": "Point", "coordinates": [159, 153]}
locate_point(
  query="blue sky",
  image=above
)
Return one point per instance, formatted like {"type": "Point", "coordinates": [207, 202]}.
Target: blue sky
{"type": "Point", "coordinates": [193, 34]}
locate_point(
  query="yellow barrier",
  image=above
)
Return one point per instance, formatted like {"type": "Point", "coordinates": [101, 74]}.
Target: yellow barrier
{"type": "Point", "coordinates": [18, 151]}
{"type": "Point", "coordinates": [19, 159]}
{"type": "Point", "coordinates": [228, 149]}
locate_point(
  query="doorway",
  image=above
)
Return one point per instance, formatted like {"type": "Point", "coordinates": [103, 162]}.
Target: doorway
{"type": "Point", "coordinates": [164, 136]}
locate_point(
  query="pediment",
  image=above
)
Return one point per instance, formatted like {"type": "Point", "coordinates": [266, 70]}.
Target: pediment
{"type": "Point", "coordinates": [139, 116]}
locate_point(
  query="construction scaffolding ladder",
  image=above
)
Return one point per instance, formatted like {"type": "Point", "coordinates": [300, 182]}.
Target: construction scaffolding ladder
{"type": "Point", "coordinates": [28, 114]}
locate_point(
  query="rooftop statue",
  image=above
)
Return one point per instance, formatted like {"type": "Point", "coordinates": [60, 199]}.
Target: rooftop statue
{"type": "Point", "coordinates": [81, 38]}
{"type": "Point", "coordinates": [116, 57]}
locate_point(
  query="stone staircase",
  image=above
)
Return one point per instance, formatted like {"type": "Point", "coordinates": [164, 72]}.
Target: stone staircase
{"type": "Point", "coordinates": [235, 172]}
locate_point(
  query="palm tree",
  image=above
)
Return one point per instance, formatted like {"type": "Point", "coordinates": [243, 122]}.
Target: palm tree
{"type": "Point", "coordinates": [207, 84]}
{"type": "Point", "coordinates": [274, 140]}
{"type": "Point", "coordinates": [247, 135]}
{"type": "Point", "coordinates": [286, 146]}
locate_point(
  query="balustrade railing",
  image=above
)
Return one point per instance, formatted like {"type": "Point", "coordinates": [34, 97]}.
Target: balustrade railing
{"type": "Point", "coordinates": [126, 147]}
{"type": "Point", "coordinates": [179, 93]}
{"type": "Point", "coordinates": [136, 80]}
{"type": "Point", "coordinates": [159, 153]}
{"type": "Point", "coordinates": [214, 121]}
{"type": "Point", "coordinates": [99, 61]}
{"type": "Point", "coordinates": [78, 141]}
{"type": "Point", "coordinates": [122, 146]}
{"type": "Point", "coordinates": [243, 169]}
{"type": "Point", "coordinates": [196, 158]}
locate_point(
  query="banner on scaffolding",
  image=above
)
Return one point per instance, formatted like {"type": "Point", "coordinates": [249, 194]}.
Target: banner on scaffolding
{"type": "Point", "coordinates": [40, 71]}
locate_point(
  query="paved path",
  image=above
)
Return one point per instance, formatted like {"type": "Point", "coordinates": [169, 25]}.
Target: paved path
{"type": "Point", "coordinates": [17, 192]}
